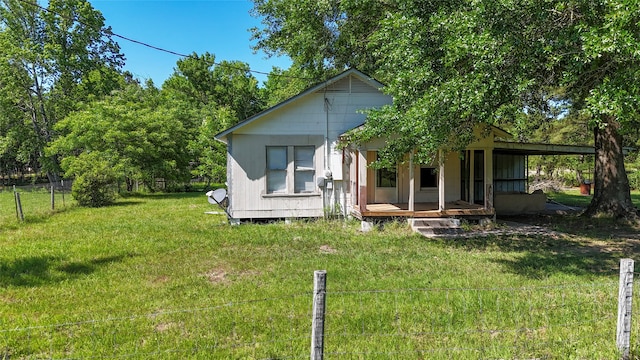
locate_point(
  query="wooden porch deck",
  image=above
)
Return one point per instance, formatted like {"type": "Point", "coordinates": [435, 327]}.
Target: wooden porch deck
{"type": "Point", "coordinates": [424, 210]}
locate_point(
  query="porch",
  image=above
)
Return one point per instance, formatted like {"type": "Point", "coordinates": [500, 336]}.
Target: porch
{"type": "Point", "coordinates": [453, 187]}
{"type": "Point", "coordinates": [457, 208]}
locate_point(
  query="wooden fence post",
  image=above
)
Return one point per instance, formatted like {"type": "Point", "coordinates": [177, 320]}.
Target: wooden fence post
{"type": "Point", "coordinates": [317, 326]}
{"type": "Point", "coordinates": [19, 212]}
{"type": "Point", "coordinates": [62, 183]}
{"type": "Point", "coordinates": [625, 301]}
{"type": "Point", "coordinates": [53, 199]}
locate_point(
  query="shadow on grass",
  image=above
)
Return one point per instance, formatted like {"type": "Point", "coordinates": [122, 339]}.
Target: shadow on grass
{"type": "Point", "coordinates": [597, 229]}
{"type": "Point", "coordinates": [46, 270]}
{"type": "Point", "coordinates": [159, 195]}
{"type": "Point", "coordinates": [34, 218]}
{"type": "Point", "coordinates": [542, 254]}
{"type": "Point", "coordinates": [124, 203]}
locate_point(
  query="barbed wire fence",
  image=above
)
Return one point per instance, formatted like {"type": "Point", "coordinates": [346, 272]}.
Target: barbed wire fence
{"type": "Point", "coordinates": [34, 200]}
{"type": "Point", "coordinates": [555, 321]}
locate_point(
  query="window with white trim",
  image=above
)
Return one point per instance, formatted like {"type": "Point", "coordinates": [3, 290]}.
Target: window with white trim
{"type": "Point", "coordinates": [290, 169]}
{"type": "Point", "coordinates": [276, 169]}
{"type": "Point", "coordinates": [304, 171]}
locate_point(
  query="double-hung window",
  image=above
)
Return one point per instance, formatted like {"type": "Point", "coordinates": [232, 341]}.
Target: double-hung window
{"type": "Point", "coordinates": [276, 169]}
{"type": "Point", "coordinates": [304, 171]}
{"type": "Point", "coordinates": [291, 169]}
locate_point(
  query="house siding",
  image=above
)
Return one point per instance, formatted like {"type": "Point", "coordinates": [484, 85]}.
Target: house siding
{"type": "Point", "coordinates": [306, 121]}
{"type": "Point", "coordinates": [248, 195]}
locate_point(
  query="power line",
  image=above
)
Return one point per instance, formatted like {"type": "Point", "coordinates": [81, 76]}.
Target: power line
{"type": "Point", "coordinates": [107, 31]}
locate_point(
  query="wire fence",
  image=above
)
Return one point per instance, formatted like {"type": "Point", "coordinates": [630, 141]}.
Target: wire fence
{"type": "Point", "coordinates": [546, 322]}
{"type": "Point", "coordinates": [18, 203]}
{"type": "Point", "coordinates": [473, 323]}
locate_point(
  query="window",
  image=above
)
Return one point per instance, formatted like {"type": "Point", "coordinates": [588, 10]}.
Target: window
{"type": "Point", "coordinates": [286, 176]}
{"type": "Point", "coordinates": [304, 171]}
{"type": "Point", "coordinates": [386, 178]}
{"type": "Point", "coordinates": [428, 177]}
{"type": "Point", "coordinates": [276, 169]}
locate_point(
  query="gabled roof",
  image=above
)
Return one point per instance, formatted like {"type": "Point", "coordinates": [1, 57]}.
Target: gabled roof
{"type": "Point", "coordinates": [362, 76]}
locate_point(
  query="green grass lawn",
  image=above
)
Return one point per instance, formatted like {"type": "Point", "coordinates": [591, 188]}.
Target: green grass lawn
{"type": "Point", "coordinates": [154, 276]}
{"type": "Point", "coordinates": [574, 198]}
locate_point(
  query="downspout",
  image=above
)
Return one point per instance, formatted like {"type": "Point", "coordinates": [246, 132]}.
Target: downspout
{"type": "Point", "coordinates": [327, 159]}
{"type": "Point", "coordinates": [326, 198]}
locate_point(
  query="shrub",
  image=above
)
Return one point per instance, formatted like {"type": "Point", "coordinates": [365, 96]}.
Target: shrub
{"type": "Point", "coordinates": [95, 183]}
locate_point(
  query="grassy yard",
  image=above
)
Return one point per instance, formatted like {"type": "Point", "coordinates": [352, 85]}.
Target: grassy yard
{"type": "Point", "coordinates": [154, 276]}
{"type": "Point", "coordinates": [573, 198]}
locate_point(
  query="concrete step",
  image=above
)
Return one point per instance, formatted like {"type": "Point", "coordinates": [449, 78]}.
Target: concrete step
{"type": "Point", "coordinates": [432, 227]}
{"type": "Point", "coordinates": [446, 223]}
{"type": "Point", "coordinates": [434, 232]}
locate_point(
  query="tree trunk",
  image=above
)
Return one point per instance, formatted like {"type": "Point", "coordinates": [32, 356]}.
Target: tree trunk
{"type": "Point", "coordinates": [612, 195]}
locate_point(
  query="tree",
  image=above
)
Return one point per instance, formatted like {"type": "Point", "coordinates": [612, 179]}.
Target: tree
{"type": "Point", "coordinates": [136, 132]}
{"type": "Point", "coordinates": [47, 55]}
{"type": "Point", "coordinates": [451, 65]}
{"type": "Point", "coordinates": [228, 83]}
{"type": "Point", "coordinates": [320, 35]}
{"type": "Point", "coordinates": [284, 84]}
{"type": "Point", "coordinates": [216, 96]}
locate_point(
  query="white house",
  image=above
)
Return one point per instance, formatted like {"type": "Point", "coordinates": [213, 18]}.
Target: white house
{"type": "Point", "coordinates": [285, 163]}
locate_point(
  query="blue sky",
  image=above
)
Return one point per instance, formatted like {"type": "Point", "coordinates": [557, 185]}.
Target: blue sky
{"type": "Point", "coordinates": [220, 27]}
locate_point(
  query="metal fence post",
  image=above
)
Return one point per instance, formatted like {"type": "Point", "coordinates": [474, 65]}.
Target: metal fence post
{"type": "Point", "coordinates": [625, 301]}
{"type": "Point", "coordinates": [317, 326]}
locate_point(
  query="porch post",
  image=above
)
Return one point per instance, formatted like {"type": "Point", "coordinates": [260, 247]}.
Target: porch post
{"type": "Point", "coordinates": [488, 178]}
{"type": "Point", "coordinates": [441, 200]}
{"type": "Point", "coordinates": [472, 175]}
{"type": "Point", "coordinates": [412, 186]}
{"type": "Point", "coordinates": [362, 181]}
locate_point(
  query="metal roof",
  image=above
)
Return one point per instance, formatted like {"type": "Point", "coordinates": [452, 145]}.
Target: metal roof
{"type": "Point", "coordinates": [506, 147]}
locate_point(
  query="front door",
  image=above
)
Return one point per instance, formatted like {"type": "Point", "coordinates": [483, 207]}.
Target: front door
{"type": "Point", "coordinates": [386, 189]}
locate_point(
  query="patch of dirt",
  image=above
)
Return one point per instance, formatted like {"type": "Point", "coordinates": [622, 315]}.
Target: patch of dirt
{"type": "Point", "coordinates": [221, 276]}
{"type": "Point", "coordinates": [326, 249]}
{"type": "Point", "coordinates": [161, 279]}
{"type": "Point", "coordinates": [7, 300]}
{"type": "Point", "coordinates": [165, 326]}
{"type": "Point", "coordinates": [216, 276]}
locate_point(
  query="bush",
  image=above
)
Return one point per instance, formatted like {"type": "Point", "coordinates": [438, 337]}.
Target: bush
{"type": "Point", "coordinates": [95, 180]}
{"type": "Point", "coordinates": [93, 190]}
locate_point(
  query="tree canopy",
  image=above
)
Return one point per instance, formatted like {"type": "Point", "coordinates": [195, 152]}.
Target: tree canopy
{"type": "Point", "coordinates": [217, 95]}
{"type": "Point", "coordinates": [139, 136]}
{"type": "Point", "coordinates": [50, 60]}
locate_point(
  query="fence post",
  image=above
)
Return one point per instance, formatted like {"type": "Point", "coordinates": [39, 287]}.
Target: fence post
{"type": "Point", "coordinates": [625, 300]}
{"type": "Point", "coordinates": [317, 326]}
{"type": "Point", "coordinates": [19, 212]}
{"type": "Point", "coordinates": [53, 199]}
{"type": "Point", "coordinates": [62, 188]}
